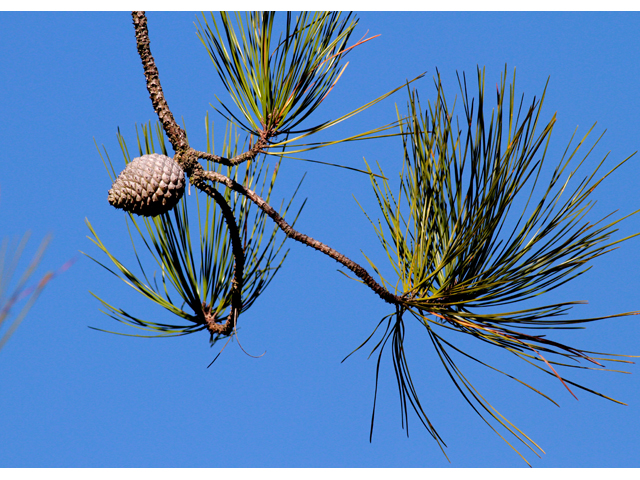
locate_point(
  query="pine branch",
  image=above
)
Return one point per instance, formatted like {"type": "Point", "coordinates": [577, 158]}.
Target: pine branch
{"type": "Point", "coordinates": [367, 279]}
{"type": "Point", "coordinates": [451, 253]}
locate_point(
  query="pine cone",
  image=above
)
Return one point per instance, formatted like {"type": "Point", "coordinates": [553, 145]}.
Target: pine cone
{"type": "Point", "coordinates": [149, 185]}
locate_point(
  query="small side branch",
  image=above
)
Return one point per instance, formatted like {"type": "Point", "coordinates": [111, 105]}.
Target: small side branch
{"type": "Point", "coordinates": [238, 269]}
{"type": "Point", "coordinates": [200, 173]}
{"type": "Point", "coordinates": [259, 147]}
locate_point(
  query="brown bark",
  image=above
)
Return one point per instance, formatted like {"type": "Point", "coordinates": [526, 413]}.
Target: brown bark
{"type": "Point", "coordinates": [260, 147]}
{"type": "Point", "coordinates": [238, 269]}
{"type": "Point", "coordinates": [176, 135]}
{"type": "Point", "coordinates": [300, 237]}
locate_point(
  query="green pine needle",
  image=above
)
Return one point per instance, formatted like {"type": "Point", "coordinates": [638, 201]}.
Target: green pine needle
{"type": "Point", "coordinates": [460, 253]}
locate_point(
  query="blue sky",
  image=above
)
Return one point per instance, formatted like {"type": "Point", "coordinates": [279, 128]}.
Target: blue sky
{"type": "Point", "coordinates": [75, 397]}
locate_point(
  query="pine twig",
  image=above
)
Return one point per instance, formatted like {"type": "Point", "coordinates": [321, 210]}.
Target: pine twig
{"type": "Point", "coordinates": [294, 234]}
{"type": "Point", "coordinates": [238, 269]}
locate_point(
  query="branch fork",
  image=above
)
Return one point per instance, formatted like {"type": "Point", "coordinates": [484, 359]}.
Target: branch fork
{"type": "Point", "coordinates": [188, 158]}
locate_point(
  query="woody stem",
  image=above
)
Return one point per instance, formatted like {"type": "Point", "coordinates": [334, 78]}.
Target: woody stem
{"type": "Point", "coordinates": [238, 255]}
{"type": "Point", "coordinates": [200, 173]}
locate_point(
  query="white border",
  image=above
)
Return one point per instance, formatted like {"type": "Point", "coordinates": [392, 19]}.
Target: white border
{"type": "Point", "coordinates": [358, 5]}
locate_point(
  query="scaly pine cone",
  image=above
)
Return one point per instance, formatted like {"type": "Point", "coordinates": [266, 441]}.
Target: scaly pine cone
{"type": "Point", "coordinates": [149, 185]}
